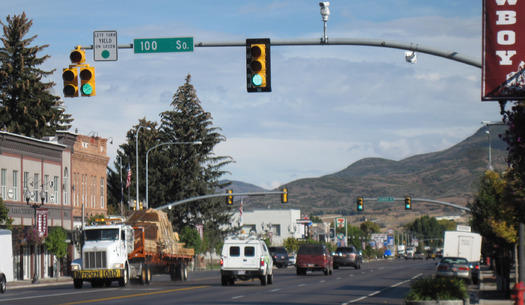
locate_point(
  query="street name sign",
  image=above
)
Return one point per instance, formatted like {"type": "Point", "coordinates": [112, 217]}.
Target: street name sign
{"type": "Point", "coordinates": [163, 45]}
{"type": "Point", "coordinates": [105, 47]}
{"type": "Point", "coordinates": [385, 199]}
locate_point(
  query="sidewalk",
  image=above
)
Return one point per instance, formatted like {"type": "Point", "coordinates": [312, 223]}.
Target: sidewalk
{"type": "Point", "coordinates": [43, 282]}
{"type": "Point", "coordinates": [488, 294]}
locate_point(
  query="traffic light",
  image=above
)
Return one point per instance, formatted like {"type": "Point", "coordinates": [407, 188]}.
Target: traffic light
{"type": "Point", "coordinates": [87, 81]}
{"type": "Point", "coordinates": [140, 205]}
{"type": "Point", "coordinates": [360, 205]}
{"type": "Point", "coordinates": [284, 196]}
{"type": "Point", "coordinates": [78, 56]}
{"type": "Point", "coordinates": [408, 203]}
{"type": "Point", "coordinates": [70, 77]}
{"type": "Point", "coordinates": [229, 198]}
{"type": "Point", "coordinates": [258, 71]}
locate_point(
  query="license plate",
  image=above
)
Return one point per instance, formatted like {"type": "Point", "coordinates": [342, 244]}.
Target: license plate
{"type": "Point", "coordinates": [242, 272]}
{"type": "Point", "coordinates": [310, 265]}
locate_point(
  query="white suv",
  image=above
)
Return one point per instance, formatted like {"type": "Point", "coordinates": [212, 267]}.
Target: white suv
{"type": "Point", "coordinates": [245, 258]}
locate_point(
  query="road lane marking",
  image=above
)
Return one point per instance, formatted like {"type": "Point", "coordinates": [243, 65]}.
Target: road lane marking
{"type": "Point", "coordinates": [274, 290]}
{"type": "Point", "coordinates": [382, 290]}
{"type": "Point", "coordinates": [237, 297]}
{"type": "Point", "coordinates": [49, 295]}
{"type": "Point", "coordinates": [134, 295]}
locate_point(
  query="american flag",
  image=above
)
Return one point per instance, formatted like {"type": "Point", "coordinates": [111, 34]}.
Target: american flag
{"type": "Point", "coordinates": [128, 181]}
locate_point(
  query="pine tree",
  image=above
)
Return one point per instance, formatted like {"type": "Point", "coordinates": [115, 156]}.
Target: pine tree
{"type": "Point", "coordinates": [27, 106]}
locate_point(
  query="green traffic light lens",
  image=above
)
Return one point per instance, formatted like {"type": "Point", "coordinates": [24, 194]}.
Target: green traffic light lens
{"type": "Point", "coordinates": [257, 80]}
{"type": "Point", "coordinates": [87, 89]}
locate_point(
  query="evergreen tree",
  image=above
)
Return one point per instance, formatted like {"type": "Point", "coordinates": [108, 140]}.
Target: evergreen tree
{"type": "Point", "coordinates": [27, 106]}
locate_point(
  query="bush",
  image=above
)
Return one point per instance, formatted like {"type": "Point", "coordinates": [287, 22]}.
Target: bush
{"type": "Point", "coordinates": [440, 288]}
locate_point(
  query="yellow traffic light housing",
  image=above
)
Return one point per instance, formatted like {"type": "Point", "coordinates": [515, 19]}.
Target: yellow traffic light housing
{"type": "Point", "coordinates": [408, 203]}
{"type": "Point", "coordinates": [70, 77]}
{"type": "Point", "coordinates": [229, 198]}
{"type": "Point", "coordinates": [284, 196]}
{"type": "Point", "coordinates": [78, 56]}
{"type": "Point", "coordinates": [87, 81]}
{"type": "Point", "coordinates": [360, 205]}
{"type": "Point", "coordinates": [258, 68]}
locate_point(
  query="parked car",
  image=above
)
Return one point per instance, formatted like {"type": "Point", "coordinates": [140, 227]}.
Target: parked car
{"type": "Point", "coordinates": [347, 256]}
{"type": "Point", "coordinates": [418, 255]}
{"type": "Point", "coordinates": [314, 258]}
{"type": "Point", "coordinates": [279, 257]}
{"type": "Point", "coordinates": [456, 267]}
{"type": "Point", "coordinates": [291, 259]}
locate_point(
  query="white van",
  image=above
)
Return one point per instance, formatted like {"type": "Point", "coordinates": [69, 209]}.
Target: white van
{"type": "Point", "coordinates": [244, 258]}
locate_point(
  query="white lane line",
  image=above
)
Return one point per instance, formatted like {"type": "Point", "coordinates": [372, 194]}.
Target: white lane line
{"type": "Point", "coordinates": [274, 290]}
{"type": "Point", "coordinates": [237, 297]}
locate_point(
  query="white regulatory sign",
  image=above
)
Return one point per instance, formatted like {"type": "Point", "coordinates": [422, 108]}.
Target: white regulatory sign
{"type": "Point", "coordinates": [105, 47]}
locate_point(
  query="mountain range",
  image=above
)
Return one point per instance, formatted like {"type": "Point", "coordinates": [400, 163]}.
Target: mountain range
{"type": "Point", "coordinates": [449, 175]}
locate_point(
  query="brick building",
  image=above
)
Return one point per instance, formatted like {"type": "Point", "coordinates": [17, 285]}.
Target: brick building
{"type": "Point", "coordinates": [62, 175]}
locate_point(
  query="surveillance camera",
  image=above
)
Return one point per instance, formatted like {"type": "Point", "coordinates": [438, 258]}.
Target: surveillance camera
{"type": "Point", "coordinates": [324, 4]}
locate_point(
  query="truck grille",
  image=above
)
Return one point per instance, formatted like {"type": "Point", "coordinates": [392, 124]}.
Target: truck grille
{"type": "Point", "coordinates": [96, 259]}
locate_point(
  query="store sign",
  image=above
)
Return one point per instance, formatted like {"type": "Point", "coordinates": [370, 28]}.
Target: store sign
{"type": "Point", "coordinates": [41, 222]}
{"type": "Point", "coordinates": [503, 71]}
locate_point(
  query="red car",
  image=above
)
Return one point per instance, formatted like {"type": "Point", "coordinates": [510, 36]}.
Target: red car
{"type": "Point", "coordinates": [314, 258]}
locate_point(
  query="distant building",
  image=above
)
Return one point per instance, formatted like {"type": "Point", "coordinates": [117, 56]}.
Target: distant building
{"type": "Point", "coordinates": [65, 173]}
{"type": "Point", "coordinates": [277, 224]}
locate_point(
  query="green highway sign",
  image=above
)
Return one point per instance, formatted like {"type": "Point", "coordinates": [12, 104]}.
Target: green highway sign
{"type": "Point", "coordinates": [385, 199]}
{"type": "Point", "coordinates": [163, 45]}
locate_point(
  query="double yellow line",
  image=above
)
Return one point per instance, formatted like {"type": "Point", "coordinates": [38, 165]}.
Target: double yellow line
{"type": "Point", "coordinates": [134, 295]}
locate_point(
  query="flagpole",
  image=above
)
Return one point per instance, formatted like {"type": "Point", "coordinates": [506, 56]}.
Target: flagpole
{"type": "Point", "coordinates": [121, 190]}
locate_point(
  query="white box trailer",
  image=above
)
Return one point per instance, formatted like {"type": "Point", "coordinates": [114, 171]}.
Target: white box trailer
{"type": "Point", "coordinates": [462, 244]}
{"type": "Point", "coordinates": [6, 257]}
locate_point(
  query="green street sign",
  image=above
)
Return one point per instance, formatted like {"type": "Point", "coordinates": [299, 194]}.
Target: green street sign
{"type": "Point", "coordinates": [163, 45]}
{"type": "Point", "coordinates": [385, 199]}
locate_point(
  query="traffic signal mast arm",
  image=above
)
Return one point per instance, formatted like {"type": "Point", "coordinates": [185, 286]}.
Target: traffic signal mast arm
{"type": "Point", "coordinates": [457, 206]}
{"type": "Point", "coordinates": [410, 46]}
{"type": "Point", "coordinates": [176, 203]}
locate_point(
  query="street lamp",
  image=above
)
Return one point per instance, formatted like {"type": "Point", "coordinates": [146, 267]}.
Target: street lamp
{"type": "Point", "coordinates": [137, 163]}
{"type": "Point", "coordinates": [325, 13]}
{"type": "Point", "coordinates": [35, 206]}
{"type": "Point", "coordinates": [147, 153]}
{"type": "Point", "coordinates": [490, 150]}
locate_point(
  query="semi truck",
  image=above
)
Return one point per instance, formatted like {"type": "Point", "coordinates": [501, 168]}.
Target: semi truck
{"type": "Point", "coordinates": [121, 250]}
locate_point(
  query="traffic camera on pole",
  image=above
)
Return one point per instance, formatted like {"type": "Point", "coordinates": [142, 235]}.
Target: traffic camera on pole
{"type": "Point", "coordinates": [360, 205]}
{"type": "Point", "coordinates": [258, 71]}
{"type": "Point", "coordinates": [284, 195]}
{"type": "Point", "coordinates": [408, 203]}
{"type": "Point", "coordinates": [229, 198]}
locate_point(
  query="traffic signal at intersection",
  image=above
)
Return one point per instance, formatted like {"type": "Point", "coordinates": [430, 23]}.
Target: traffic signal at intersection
{"type": "Point", "coordinates": [284, 196]}
{"type": "Point", "coordinates": [71, 75]}
{"type": "Point", "coordinates": [258, 67]}
{"type": "Point", "coordinates": [408, 203]}
{"type": "Point", "coordinates": [87, 81]}
{"type": "Point", "coordinates": [360, 205]}
{"type": "Point", "coordinates": [229, 198]}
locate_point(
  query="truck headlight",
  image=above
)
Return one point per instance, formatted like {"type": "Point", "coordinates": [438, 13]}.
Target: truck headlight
{"type": "Point", "coordinates": [75, 267]}
{"type": "Point", "coordinates": [118, 266]}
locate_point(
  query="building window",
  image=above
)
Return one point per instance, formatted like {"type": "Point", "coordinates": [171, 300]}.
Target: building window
{"type": "Point", "coordinates": [36, 181]}
{"type": "Point", "coordinates": [55, 189]}
{"type": "Point", "coordinates": [46, 192]}
{"type": "Point", "coordinates": [15, 185]}
{"type": "Point", "coordinates": [65, 188]}
{"type": "Point", "coordinates": [4, 186]}
{"type": "Point", "coordinates": [102, 201]}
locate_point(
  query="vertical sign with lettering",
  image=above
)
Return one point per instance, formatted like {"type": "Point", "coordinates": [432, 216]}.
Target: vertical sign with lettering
{"type": "Point", "coordinates": [503, 73]}
{"type": "Point", "coordinates": [41, 222]}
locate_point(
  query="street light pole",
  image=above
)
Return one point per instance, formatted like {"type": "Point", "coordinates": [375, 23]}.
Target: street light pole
{"type": "Point", "coordinates": [490, 150]}
{"type": "Point", "coordinates": [35, 206]}
{"type": "Point", "coordinates": [147, 168]}
{"type": "Point", "coordinates": [137, 164]}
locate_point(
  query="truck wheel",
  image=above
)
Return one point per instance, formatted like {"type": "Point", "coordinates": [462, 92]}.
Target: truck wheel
{"type": "Point", "coordinates": [270, 279]}
{"type": "Point", "coordinates": [173, 272]}
{"type": "Point", "coordinates": [263, 280]}
{"type": "Point", "coordinates": [145, 277]}
{"type": "Point", "coordinates": [224, 281]}
{"type": "Point", "coordinates": [183, 272]}
{"type": "Point", "coordinates": [78, 284]}
{"type": "Point", "coordinates": [3, 283]}
{"type": "Point", "coordinates": [231, 282]}
{"type": "Point", "coordinates": [123, 281]}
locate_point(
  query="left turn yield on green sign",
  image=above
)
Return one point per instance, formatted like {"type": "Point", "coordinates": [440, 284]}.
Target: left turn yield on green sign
{"type": "Point", "coordinates": [105, 46]}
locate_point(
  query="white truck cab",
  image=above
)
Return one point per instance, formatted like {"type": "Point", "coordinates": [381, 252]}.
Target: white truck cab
{"type": "Point", "coordinates": [245, 257]}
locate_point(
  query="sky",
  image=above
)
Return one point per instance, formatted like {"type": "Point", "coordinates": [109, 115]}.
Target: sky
{"type": "Point", "coordinates": [330, 105]}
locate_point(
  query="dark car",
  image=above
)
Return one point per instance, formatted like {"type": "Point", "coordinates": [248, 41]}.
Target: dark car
{"type": "Point", "coordinates": [314, 258]}
{"type": "Point", "coordinates": [347, 256]}
{"type": "Point", "coordinates": [279, 257]}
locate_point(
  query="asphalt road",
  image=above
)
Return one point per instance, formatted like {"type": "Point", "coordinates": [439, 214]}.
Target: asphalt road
{"type": "Point", "coordinates": [378, 282]}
